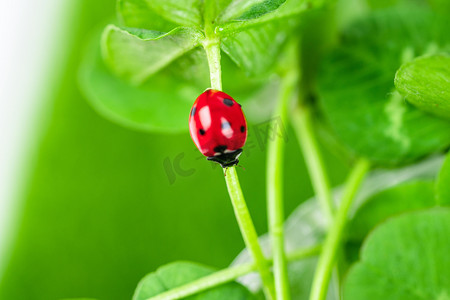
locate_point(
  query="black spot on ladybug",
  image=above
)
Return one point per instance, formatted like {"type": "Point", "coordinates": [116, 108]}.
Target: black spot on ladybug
{"type": "Point", "coordinates": [194, 109]}
{"type": "Point", "coordinates": [228, 102]}
{"type": "Point", "coordinates": [220, 148]}
{"type": "Point", "coordinates": [201, 131]}
{"type": "Point", "coordinates": [242, 128]}
{"type": "Point", "coordinates": [225, 125]}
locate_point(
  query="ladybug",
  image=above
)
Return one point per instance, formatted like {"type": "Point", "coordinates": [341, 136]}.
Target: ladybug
{"type": "Point", "coordinates": [218, 127]}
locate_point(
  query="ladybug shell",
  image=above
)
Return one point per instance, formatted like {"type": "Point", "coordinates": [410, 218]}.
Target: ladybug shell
{"type": "Point", "coordinates": [217, 124]}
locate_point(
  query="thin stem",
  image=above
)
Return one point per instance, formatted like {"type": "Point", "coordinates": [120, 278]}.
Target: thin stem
{"type": "Point", "coordinates": [225, 276]}
{"type": "Point", "coordinates": [303, 125]}
{"type": "Point", "coordinates": [335, 234]}
{"type": "Point", "coordinates": [248, 231]}
{"type": "Point", "coordinates": [212, 49]}
{"type": "Point", "coordinates": [275, 202]}
{"type": "Point", "coordinates": [206, 282]}
{"type": "Point", "coordinates": [304, 253]}
{"type": "Point", "coordinates": [211, 44]}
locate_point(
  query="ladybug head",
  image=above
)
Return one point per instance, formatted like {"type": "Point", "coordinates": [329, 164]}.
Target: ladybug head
{"type": "Point", "coordinates": [226, 159]}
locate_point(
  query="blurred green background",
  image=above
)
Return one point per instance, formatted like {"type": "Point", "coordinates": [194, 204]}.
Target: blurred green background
{"type": "Point", "coordinates": [102, 207]}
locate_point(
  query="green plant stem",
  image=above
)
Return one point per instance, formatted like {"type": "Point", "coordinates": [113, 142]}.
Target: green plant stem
{"type": "Point", "coordinates": [206, 282]}
{"type": "Point", "coordinates": [302, 122]}
{"type": "Point", "coordinates": [334, 237]}
{"type": "Point", "coordinates": [212, 49]}
{"type": "Point", "coordinates": [211, 45]}
{"type": "Point", "coordinates": [225, 276]}
{"type": "Point", "coordinates": [303, 126]}
{"type": "Point", "coordinates": [274, 184]}
{"type": "Point", "coordinates": [248, 230]}
{"type": "Point", "coordinates": [304, 253]}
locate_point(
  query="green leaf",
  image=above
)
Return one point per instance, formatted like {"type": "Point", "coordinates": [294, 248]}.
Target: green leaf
{"type": "Point", "coordinates": [357, 92]}
{"type": "Point", "coordinates": [425, 82]}
{"type": "Point", "coordinates": [138, 14]}
{"type": "Point", "coordinates": [163, 105]}
{"type": "Point", "coordinates": [406, 258]}
{"type": "Point", "coordinates": [443, 183]}
{"type": "Point", "coordinates": [255, 44]}
{"type": "Point", "coordinates": [256, 50]}
{"type": "Point", "coordinates": [248, 9]}
{"type": "Point", "coordinates": [401, 198]}
{"type": "Point", "coordinates": [179, 273]}
{"type": "Point", "coordinates": [289, 13]}
{"type": "Point", "coordinates": [185, 12]}
{"type": "Point", "coordinates": [306, 226]}
{"type": "Point", "coordinates": [136, 54]}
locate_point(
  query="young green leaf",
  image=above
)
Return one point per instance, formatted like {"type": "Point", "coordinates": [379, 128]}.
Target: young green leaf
{"type": "Point", "coordinates": [288, 12]}
{"type": "Point", "coordinates": [254, 50]}
{"type": "Point", "coordinates": [425, 82]}
{"type": "Point", "coordinates": [406, 258]}
{"type": "Point", "coordinates": [159, 15]}
{"type": "Point", "coordinates": [179, 273]}
{"type": "Point", "coordinates": [139, 14]}
{"type": "Point", "coordinates": [186, 12]}
{"type": "Point", "coordinates": [443, 183]}
{"type": "Point", "coordinates": [357, 92]}
{"type": "Point", "coordinates": [255, 43]}
{"type": "Point", "coordinates": [248, 9]}
{"type": "Point", "coordinates": [401, 198]}
{"type": "Point", "coordinates": [136, 54]}
{"type": "Point", "coordinates": [161, 103]}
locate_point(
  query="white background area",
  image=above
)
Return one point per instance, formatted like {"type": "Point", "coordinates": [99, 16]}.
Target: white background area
{"type": "Point", "coordinates": [27, 31]}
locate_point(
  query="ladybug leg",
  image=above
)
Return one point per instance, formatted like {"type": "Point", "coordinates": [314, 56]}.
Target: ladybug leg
{"type": "Point", "coordinates": [240, 166]}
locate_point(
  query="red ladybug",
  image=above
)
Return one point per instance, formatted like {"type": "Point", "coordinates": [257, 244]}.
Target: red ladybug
{"type": "Point", "coordinates": [218, 127]}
